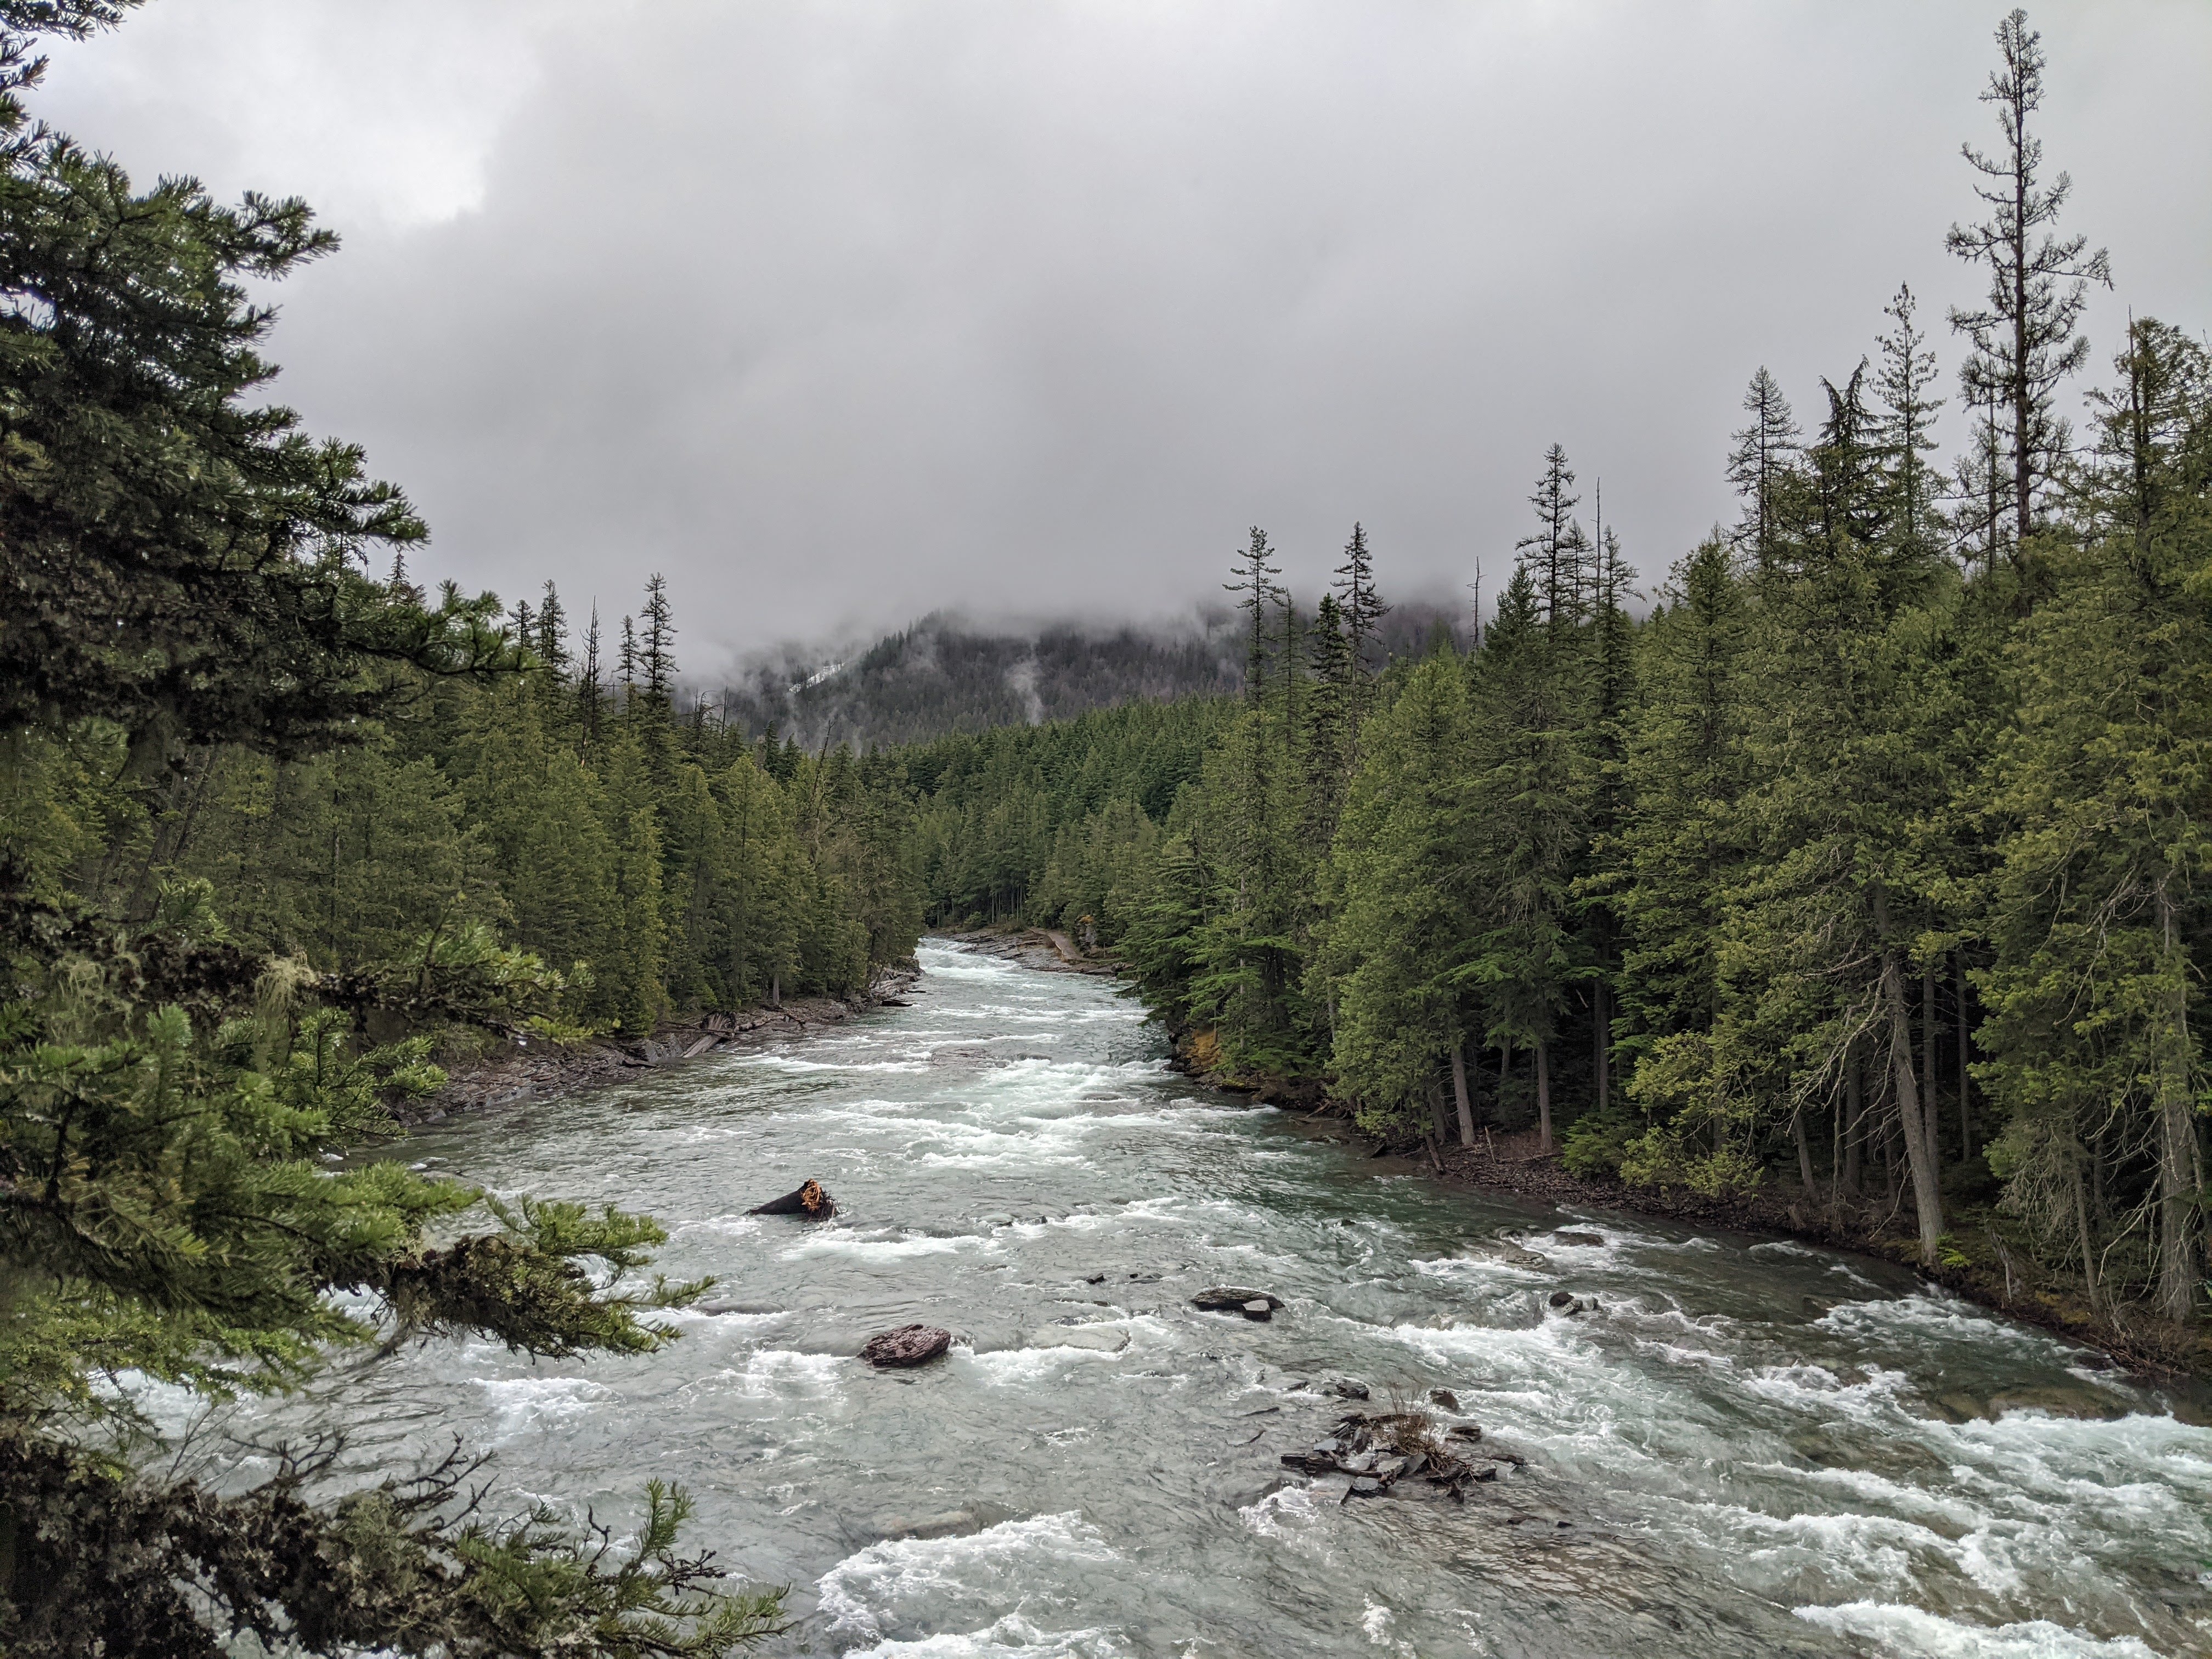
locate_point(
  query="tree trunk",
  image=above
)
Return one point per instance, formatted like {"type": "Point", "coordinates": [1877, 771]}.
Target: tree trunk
{"type": "Point", "coordinates": [2177, 1141]}
{"type": "Point", "coordinates": [1459, 1092]}
{"type": "Point", "coordinates": [1854, 1118]}
{"type": "Point", "coordinates": [1544, 1097]}
{"type": "Point", "coordinates": [1601, 1044]}
{"type": "Point", "coordinates": [1928, 1057]}
{"type": "Point", "coordinates": [1436, 1112]}
{"type": "Point", "coordinates": [1804, 1154]}
{"type": "Point", "coordinates": [1966, 1116]}
{"type": "Point", "coordinates": [2081, 1227]}
{"type": "Point", "coordinates": [1928, 1201]}
{"type": "Point", "coordinates": [775, 990]}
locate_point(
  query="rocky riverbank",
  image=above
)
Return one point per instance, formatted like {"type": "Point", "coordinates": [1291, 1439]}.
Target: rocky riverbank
{"type": "Point", "coordinates": [520, 1071]}
{"type": "Point", "coordinates": [1983, 1271]}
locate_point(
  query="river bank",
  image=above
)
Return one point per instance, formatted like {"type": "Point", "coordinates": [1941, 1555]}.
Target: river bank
{"type": "Point", "coordinates": [1989, 1275]}
{"type": "Point", "coordinates": [520, 1071]}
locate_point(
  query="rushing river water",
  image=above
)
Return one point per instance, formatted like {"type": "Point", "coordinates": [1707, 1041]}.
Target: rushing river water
{"type": "Point", "coordinates": [1750, 1449]}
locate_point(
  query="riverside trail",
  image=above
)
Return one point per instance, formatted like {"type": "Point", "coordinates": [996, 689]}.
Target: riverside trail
{"type": "Point", "coordinates": [1747, 1449]}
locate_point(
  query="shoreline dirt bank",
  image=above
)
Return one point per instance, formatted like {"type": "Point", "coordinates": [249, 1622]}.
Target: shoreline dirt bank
{"type": "Point", "coordinates": [544, 1071]}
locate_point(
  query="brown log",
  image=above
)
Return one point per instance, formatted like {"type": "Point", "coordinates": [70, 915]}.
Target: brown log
{"type": "Point", "coordinates": [809, 1201]}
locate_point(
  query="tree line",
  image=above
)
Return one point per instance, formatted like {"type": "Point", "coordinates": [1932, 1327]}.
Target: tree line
{"type": "Point", "coordinates": [1870, 858]}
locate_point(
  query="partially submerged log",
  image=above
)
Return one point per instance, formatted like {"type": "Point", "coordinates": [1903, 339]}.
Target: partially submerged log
{"type": "Point", "coordinates": [910, 1345]}
{"type": "Point", "coordinates": [809, 1201]}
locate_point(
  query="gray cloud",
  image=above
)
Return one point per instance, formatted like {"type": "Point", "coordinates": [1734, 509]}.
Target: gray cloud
{"type": "Point", "coordinates": [841, 313]}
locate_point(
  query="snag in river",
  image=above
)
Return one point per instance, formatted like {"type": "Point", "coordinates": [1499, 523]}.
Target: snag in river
{"type": "Point", "coordinates": [811, 1200]}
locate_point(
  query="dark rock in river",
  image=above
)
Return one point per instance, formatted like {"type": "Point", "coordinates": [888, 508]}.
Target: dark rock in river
{"type": "Point", "coordinates": [1345, 1389]}
{"type": "Point", "coordinates": [1262, 1309]}
{"type": "Point", "coordinates": [1445, 1398]}
{"type": "Point", "coordinates": [910, 1345]}
{"type": "Point", "coordinates": [1563, 1298]}
{"type": "Point", "coordinates": [1592, 1240]}
{"type": "Point", "coordinates": [809, 1201]}
{"type": "Point", "coordinates": [1233, 1298]}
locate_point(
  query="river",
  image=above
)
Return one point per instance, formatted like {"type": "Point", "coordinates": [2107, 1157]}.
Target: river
{"type": "Point", "coordinates": [1749, 1447]}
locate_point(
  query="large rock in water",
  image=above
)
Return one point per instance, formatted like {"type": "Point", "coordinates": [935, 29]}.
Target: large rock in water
{"type": "Point", "coordinates": [1235, 1298]}
{"type": "Point", "coordinates": [809, 1201]}
{"type": "Point", "coordinates": [910, 1345]}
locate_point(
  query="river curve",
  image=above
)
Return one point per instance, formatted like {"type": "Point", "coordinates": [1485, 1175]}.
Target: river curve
{"type": "Point", "coordinates": [1749, 1447]}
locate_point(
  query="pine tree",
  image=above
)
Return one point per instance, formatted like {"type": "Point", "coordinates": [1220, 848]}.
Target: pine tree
{"type": "Point", "coordinates": [1527, 805]}
{"type": "Point", "coordinates": [658, 657]}
{"type": "Point", "coordinates": [1256, 580]}
{"type": "Point", "coordinates": [591, 690]}
{"type": "Point", "coordinates": [1399, 945]}
{"type": "Point", "coordinates": [2099, 922]}
{"type": "Point", "coordinates": [1904, 429]}
{"type": "Point", "coordinates": [1360, 604]}
{"type": "Point", "coordinates": [552, 641]}
{"type": "Point", "coordinates": [2024, 339]}
{"type": "Point", "coordinates": [1763, 465]}
{"type": "Point", "coordinates": [1555, 551]}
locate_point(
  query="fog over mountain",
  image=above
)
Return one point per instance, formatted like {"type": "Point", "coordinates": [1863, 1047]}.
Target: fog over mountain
{"type": "Point", "coordinates": [840, 313]}
{"type": "Point", "coordinates": [948, 673]}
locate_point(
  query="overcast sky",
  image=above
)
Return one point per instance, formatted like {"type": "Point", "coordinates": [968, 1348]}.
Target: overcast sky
{"type": "Point", "coordinates": [838, 313]}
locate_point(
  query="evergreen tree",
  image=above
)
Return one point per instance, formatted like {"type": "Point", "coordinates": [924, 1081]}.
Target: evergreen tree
{"type": "Point", "coordinates": [2024, 339]}
{"type": "Point", "coordinates": [1526, 803]}
{"type": "Point", "coordinates": [1555, 551]}
{"type": "Point", "coordinates": [2100, 919]}
{"type": "Point", "coordinates": [1763, 465]}
{"type": "Point", "coordinates": [1256, 580]}
{"type": "Point", "coordinates": [1361, 603]}
{"type": "Point", "coordinates": [1401, 941]}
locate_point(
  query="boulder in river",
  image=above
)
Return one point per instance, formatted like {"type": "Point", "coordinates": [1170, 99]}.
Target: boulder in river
{"type": "Point", "coordinates": [809, 1200]}
{"type": "Point", "coordinates": [910, 1345]}
{"type": "Point", "coordinates": [1261, 1309]}
{"type": "Point", "coordinates": [1233, 1298]}
{"type": "Point", "coordinates": [1445, 1398]}
{"type": "Point", "coordinates": [1345, 1389]}
{"type": "Point", "coordinates": [1590, 1241]}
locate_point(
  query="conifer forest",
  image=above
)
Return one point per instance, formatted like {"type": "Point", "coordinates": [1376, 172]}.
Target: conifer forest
{"type": "Point", "coordinates": [1857, 867]}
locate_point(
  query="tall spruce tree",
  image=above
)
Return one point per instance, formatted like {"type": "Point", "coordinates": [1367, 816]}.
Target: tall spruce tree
{"type": "Point", "coordinates": [2025, 345]}
{"type": "Point", "coordinates": [1763, 465]}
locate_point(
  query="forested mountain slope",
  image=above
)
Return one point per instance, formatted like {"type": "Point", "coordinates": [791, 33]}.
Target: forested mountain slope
{"type": "Point", "coordinates": [943, 675]}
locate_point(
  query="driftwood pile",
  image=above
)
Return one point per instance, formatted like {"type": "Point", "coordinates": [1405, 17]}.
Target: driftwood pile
{"type": "Point", "coordinates": [1379, 1450]}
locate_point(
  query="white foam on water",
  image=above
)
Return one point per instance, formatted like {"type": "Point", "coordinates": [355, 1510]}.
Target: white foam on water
{"type": "Point", "coordinates": [899, 1577]}
{"type": "Point", "coordinates": [1282, 1514]}
{"type": "Point", "coordinates": [1923, 1314]}
{"type": "Point", "coordinates": [1899, 1629]}
{"type": "Point", "coordinates": [1010, 1637]}
{"type": "Point", "coordinates": [1017, 1368]}
{"type": "Point", "coordinates": [773, 1373]}
{"type": "Point", "coordinates": [793, 1065]}
{"type": "Point", "coordinates": [1779, 1247]}
{"type": "Point", "coordinates": [886, 1249]}
{"type": "Point", "coordinates": [1870, 1487]}
{"type": "Point", "coordinates": [1879, 1396]}
{"type": "Point", "coordinates": [521, 1403]}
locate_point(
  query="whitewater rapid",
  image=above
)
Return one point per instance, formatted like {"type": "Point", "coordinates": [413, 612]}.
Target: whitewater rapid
{"type": "Point", "coordinates": [1749, 1447]}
